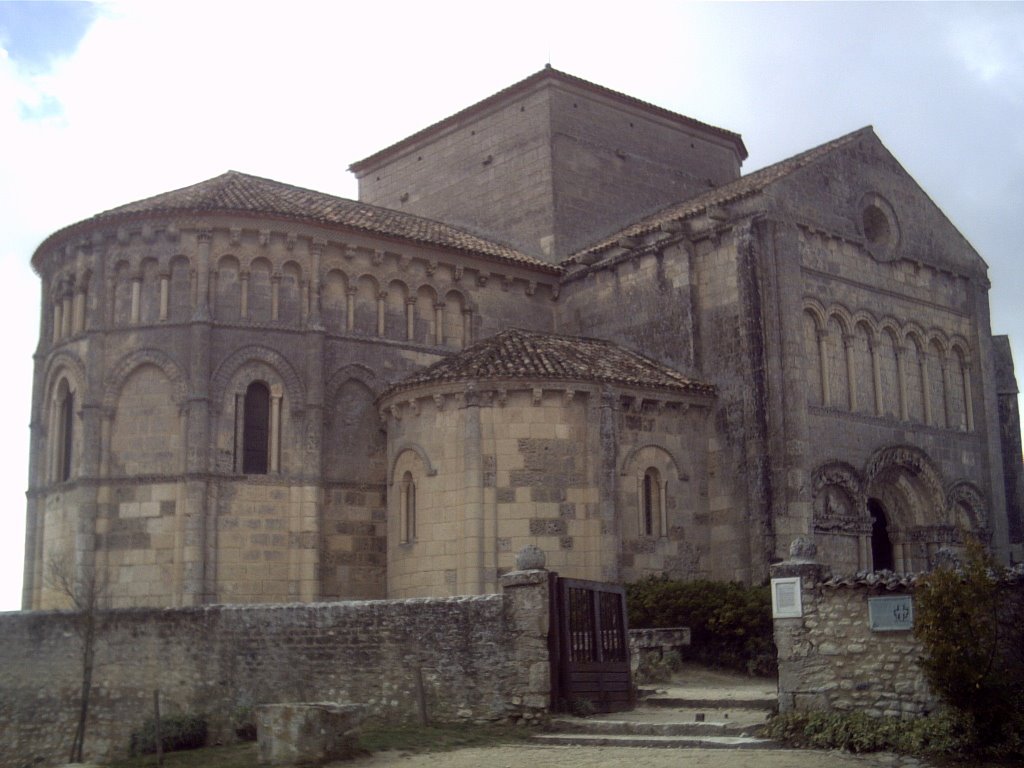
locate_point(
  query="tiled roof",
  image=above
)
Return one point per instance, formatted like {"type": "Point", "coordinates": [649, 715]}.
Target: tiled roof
{"type": "Point", "coordinates": [742, 187]}
{"type": "Point", "coordinates": [891, 581]}
{"type": "Point", "coordinates": [519, 354]}
{"type": "Point", "coordinates": [235, 192]}
{"type": "Point", "coordinates": [549, 73]}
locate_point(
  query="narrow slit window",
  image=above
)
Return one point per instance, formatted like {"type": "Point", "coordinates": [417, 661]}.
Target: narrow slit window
{"type": "Point", "coordinates": [256, 430]}
{"type": "Point", "coordinates": [408, 508]}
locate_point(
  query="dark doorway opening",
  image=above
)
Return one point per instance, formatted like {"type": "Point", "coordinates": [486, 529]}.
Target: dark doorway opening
{"type": "Point", "coordinates": [881, 545]}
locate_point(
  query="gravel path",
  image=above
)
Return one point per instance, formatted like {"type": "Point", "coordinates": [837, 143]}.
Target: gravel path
{"type": "Point", "coordinates": [531, 756]}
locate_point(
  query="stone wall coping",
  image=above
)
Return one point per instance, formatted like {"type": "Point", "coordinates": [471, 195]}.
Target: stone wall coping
{"type": "Point", "coordinates": [330, 706]}
{"type": "Point", "coordinates": [524, 578]}
{"type": "Point", "coordinates": [254, 608]}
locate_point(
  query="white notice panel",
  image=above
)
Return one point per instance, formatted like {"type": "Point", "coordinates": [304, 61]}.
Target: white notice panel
{"type": "Point", "coordinates": [786, 603]}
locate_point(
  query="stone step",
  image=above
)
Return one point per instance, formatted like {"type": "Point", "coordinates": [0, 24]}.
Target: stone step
{"type": "Point", "coordinates": [688, 727]}
{"type": "Point", "coordinates": [683, 702]}
{"type": "Point", "coordinates": [671, 742]}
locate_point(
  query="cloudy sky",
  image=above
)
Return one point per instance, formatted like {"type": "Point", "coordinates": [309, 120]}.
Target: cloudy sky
{"type": "Point", "coordinates": [102, 104]}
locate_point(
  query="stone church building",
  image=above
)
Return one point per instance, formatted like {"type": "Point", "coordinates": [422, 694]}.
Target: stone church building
{"type": "Point", "coordinates": [559, 317]}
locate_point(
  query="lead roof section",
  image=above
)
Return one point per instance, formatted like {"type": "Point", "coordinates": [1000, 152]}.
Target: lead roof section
{"type": "Point", "coordinates": [529, 355]}
{"type": "Point", "coordinates": [240, 193]}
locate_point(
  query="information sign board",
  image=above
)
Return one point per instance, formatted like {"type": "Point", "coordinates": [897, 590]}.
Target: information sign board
{"type": "Point", "coordinates": [891, 614]}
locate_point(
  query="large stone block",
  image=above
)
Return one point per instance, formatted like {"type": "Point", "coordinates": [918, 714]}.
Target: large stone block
{"type": "Point", "coordinates": [308, 734]}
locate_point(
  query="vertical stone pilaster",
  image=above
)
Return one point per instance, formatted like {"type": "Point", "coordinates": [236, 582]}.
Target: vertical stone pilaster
{"type": "Point", "coordinates": [471, 576]}
{"type": "Point", "coordinates": [198, 576]}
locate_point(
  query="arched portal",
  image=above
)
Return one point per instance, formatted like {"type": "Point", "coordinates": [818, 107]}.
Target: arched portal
{"type": "Point", "coordinates": [881, 544]}
{"type": "Point", "coordinates": [906, 505]}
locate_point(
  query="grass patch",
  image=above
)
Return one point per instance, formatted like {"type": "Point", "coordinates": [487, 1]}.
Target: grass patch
{"type": "Point", "coordinates": [441, 737]}
{"type": "Point", "coordinates": [231, 756]}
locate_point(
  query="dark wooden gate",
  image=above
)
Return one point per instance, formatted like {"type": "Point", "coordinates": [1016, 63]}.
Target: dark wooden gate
{"type": "Point", "coordinates": [590, 648]}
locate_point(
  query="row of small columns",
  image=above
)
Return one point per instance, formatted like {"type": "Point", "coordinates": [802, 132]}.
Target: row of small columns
{"type": "Point", "coordinates": [69, 309]}
{"type": "Point", "coordinates": [136, 295]}
{"type": "Point", "coordinates": [826, 387]}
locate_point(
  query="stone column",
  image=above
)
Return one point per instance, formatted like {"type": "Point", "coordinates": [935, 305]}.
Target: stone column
{"type": "Point", "coordinates": [851, 371]}
{"type": "Point", "coordinates": [876, 378]}
{"type": "Point", "coordinates": [471, 573]}
{"type": "Point", "coordinates": [275, 296]}
{"type": "Point", "coordinates": [467, 327]}
{"type": "Point", "coordinates": [947, 389]}
{"type": "Point", "coordinates": [243, 278]}
{"type": "Point", "coordinates": [165, 294]}
{"type": "Point", "coordinates": [67, 310]}
{"type": "Point", "coordinates": [926, 395]}
{"type": "Point", "coordinates": [58, 322]}
{"type": "Point", "coordinates": [136, 298]}
{"type": "Point", "coordinates": [381, 297]}
{"type": "Point", "coordinates": [410, 318]}
{"type": "Point", "coordinates": [439, 323]}
{"type": "Point", "coordinates": [275, 430]}
{"type": "Point", "coordinates": [81, 296]}
{"type": "Point", "coordinates": [968, 399]}
{"type": "Point", "coordinates": [826, 386]}
{"type": "Point", "coordinates": [901, 374]}
{"type": "Point", "coordinates": [350, 309]}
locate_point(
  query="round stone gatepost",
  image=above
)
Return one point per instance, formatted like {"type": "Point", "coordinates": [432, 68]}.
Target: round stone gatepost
{"type": "Point", "coordinates": [790, 629]}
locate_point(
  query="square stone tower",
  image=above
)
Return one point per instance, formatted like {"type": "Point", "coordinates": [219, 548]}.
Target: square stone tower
{"type": "Point", "coordinates": [551, 164]}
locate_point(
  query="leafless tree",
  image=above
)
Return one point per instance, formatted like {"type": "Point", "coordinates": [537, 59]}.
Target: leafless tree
{"type": "Point", "coordinates": [84, 590]}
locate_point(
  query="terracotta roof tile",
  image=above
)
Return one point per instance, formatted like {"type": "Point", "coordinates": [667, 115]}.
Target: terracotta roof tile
{"type": "Point", "coordinates": [519, 354]}
{"type": "Point", "coordinates": [235, 192]}
{"type": "Point", "coordinates": [742, 187]}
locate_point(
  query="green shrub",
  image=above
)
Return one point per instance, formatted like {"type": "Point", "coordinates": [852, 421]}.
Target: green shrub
{"type": "Point", "coordinates": [944, 733]}
{"type": "Point", "coordinates": [177, 732]}
{"type": "Point", "coordinates": [969, 623]}
{"type": "Point", "coordinates": [730, 624]}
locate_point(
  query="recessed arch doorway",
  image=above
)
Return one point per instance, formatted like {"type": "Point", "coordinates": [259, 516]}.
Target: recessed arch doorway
{"type": "Point", "coordinates": [881, 544]}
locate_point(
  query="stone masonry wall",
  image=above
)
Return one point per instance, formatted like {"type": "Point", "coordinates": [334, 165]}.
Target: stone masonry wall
{"type": "Point", "coordinates": [481, 658]}
{"type": "Point", "coordinates": [830, 659]}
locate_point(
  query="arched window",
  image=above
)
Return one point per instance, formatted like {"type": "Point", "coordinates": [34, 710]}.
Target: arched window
{"type": "Point", "coordinates": [65, 432]}
{"type": "Point", "coordinates": [256, 430]}
{"type": "Point", "coordinates": [408, 508]}
{"type": "Point", "coordinates": [651, 506]}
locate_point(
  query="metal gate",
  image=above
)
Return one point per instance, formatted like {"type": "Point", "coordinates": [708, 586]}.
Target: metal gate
{"type": "Point", "coordinates": [590, 648]}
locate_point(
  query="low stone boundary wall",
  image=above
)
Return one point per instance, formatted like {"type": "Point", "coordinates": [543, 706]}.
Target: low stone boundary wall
{"type": "Point", "coordinates": [482, 658]}
{"type": "Point", "coordinates": [831, 659]}
{"type": "Point", "coordinates": [647, 649]}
